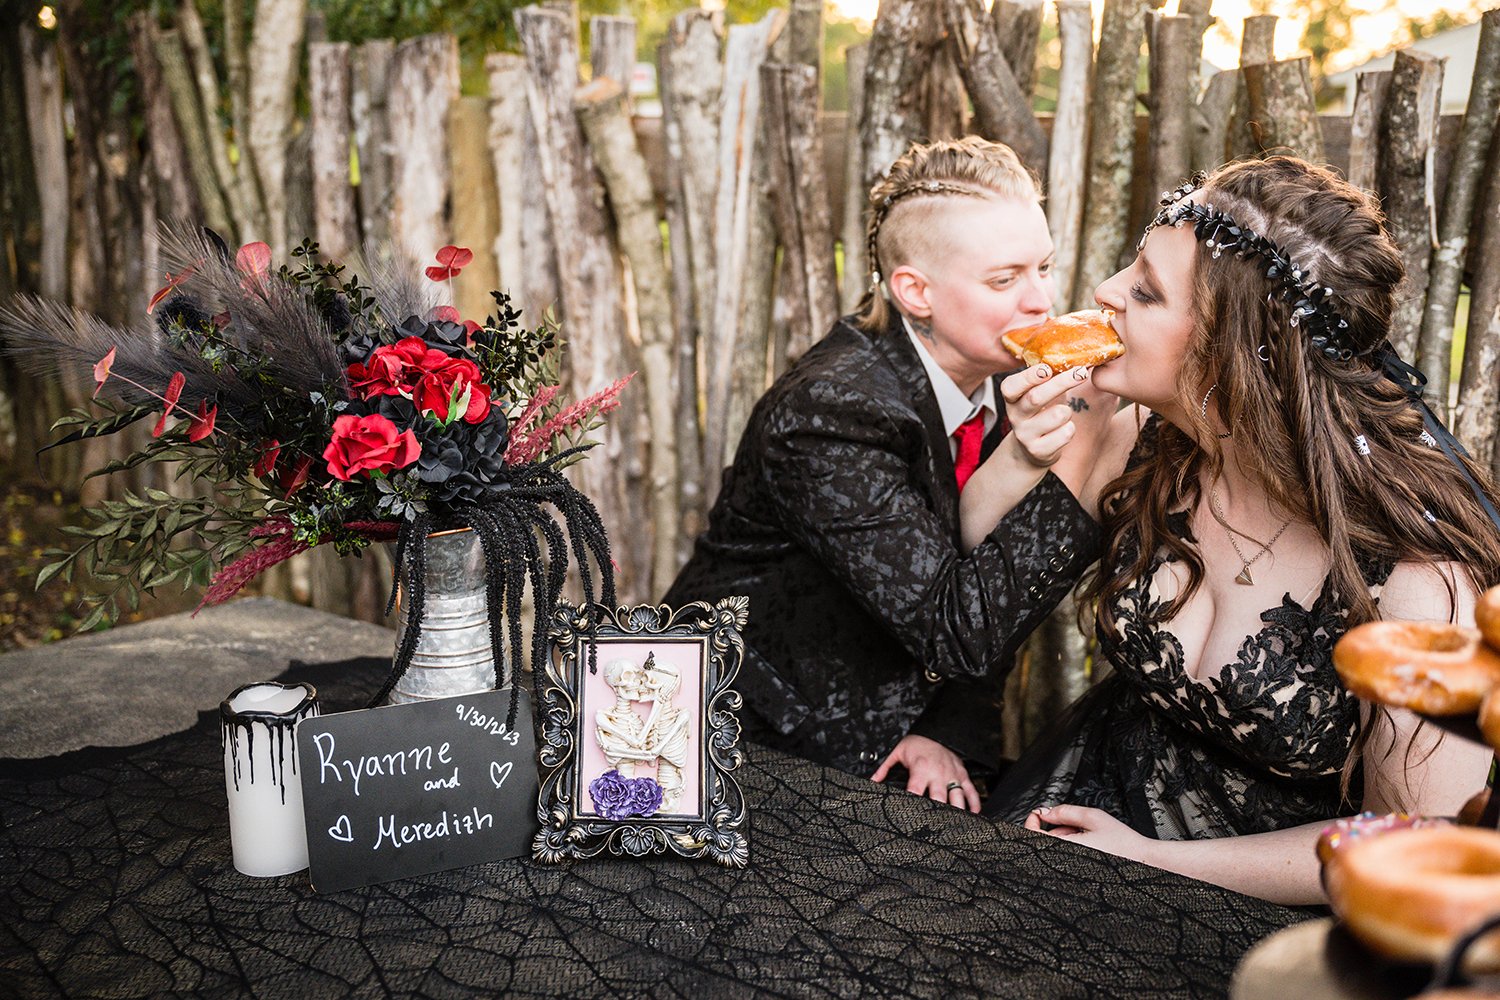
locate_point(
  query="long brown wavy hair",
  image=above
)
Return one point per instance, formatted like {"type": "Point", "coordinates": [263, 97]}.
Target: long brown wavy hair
{"type": "Point", "coordinates": [1301, 409]}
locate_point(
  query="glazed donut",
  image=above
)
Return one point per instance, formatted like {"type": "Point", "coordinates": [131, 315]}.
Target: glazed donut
{"type": "Point", "coordinates": [1075, 340]}
{"type": "Point", "coordinates": [1487, 617]}
{"type": "Point", "coordinates": [1411, 894]}
{"type": "Point", "coordinates": [1430, 667]}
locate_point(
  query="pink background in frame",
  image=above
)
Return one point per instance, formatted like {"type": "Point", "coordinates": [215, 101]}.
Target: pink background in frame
{"type": "Point", "coordinates": [595, 694]}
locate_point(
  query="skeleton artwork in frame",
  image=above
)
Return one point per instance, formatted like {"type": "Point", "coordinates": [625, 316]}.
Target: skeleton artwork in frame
{"type": "Point", "coordinates": [638, 753]}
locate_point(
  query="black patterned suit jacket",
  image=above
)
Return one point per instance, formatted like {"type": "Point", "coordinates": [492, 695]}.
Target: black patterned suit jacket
{"type": "Point", "coordinates": [839, 520]}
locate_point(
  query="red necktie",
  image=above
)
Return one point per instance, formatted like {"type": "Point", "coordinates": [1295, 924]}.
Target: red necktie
{"type": "Point", "coordinates": [970, 435]}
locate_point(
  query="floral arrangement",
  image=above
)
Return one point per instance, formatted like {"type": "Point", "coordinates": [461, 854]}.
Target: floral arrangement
{"type": "Point", "coordinates": [312, 408]}
{"type": "Point", "coordinates": [618, 797]}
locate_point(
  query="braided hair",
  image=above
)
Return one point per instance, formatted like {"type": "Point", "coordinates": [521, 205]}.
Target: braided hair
{"type": "Point", "coordinates": [970, 167]}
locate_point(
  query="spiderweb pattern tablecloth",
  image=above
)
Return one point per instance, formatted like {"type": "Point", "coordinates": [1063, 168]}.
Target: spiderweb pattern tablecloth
{"type": "Point", "coordinates": [116, 880]}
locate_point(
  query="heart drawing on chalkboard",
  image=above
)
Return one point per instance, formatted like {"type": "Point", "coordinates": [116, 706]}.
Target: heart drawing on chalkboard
{"type": "Point", "coordinates": [342, 831]}
{"type": "Point", "coordinates": [499, 772]}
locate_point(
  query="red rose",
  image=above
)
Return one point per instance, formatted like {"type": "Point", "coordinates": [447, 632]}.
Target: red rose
{"type": "Point", "coordinates": [394, 370]}
{"type": "Point", "coordinates": [368, 444]}
{"type": "Point", "coordinates": [443, 387]}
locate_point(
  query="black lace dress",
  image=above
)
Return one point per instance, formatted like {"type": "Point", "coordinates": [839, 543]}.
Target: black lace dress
{"type": "Point", "coordinates": [1258, 746]}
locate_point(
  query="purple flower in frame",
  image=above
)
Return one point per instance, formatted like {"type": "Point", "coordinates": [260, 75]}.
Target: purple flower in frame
{"type": "Point", "coordinates": [617, 797]}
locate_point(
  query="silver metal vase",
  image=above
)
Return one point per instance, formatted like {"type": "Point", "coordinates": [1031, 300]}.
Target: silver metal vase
{"type": "Point", "coordinates": [453, 654]}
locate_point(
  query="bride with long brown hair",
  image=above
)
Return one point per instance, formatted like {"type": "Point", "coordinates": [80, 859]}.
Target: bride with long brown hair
{"type": "Point", "coordinates": [1275, 483]}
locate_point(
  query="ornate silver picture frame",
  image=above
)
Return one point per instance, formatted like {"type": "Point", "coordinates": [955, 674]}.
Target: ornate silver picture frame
{"type": "Point", "coordinates": [639, 741]}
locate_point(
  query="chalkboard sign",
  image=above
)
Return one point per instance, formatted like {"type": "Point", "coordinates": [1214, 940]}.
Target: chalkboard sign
{"type": "Point", "coordinates": [410, 789]}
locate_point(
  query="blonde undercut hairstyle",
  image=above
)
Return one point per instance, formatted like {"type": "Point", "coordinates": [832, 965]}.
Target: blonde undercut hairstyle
{"type": "Point", "coordinates": [902, 203]}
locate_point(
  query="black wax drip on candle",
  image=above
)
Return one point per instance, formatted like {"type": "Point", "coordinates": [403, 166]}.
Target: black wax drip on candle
{"type": "Point", "coordinates": [282, 725]}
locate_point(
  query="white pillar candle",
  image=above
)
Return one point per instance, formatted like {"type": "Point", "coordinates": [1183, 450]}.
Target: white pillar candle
{"type": "Point", "coordinates": [266, 833]}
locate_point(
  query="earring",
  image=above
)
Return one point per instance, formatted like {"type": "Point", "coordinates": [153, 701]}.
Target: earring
{"type": "Point", "coordinates": [1203, 409]}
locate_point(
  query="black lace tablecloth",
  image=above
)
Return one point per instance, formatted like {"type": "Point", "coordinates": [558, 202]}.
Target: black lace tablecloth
{"type": "Point", "coordinates": [116, 880]}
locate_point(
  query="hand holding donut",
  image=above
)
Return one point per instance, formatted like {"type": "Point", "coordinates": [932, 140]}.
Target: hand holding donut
{"type": "Point", "coordinates": [1045, 410]}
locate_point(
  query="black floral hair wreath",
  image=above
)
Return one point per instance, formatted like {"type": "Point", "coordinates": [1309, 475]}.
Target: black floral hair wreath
{"type": "Point", "coordinates": [1313, 308]}
{"type": "Point", "coordinates": [1312, 303]}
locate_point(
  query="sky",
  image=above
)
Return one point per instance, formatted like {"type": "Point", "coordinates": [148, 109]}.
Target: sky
{"type": "Point", "coordinates": [1375, 32]}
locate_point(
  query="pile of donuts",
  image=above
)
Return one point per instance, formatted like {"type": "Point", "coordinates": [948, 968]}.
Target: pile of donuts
{"type": "Point", "coordinates": [1409, 887]}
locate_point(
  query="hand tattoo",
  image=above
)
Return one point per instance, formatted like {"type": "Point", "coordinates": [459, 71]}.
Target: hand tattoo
{"type": "Point", "coordinates": [1077, 405]}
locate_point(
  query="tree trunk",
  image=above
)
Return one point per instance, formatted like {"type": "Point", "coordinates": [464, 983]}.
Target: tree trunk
{"type": "Point", "coordinates": [335, 220]}
{"type": "Point", "coordinates": [1283, 116]}
{"type": "Point", "coordinates": [177, 195]}
{"type": "Point", "coordinates": [895, 65]}
{"type": "Point", "coordinates": [1477, 420]}
{"type": "Point", "coordinates": [691, 87]}
{"type": "Point", "coordinates": [606, 122]}
{"type": "Point", "coordinates": [1002, 110]}
{"type": "Point", "coordinates": [476, 223]}
{"type": "Point", "coordinates": [1174, 75]}
{"type": "Point", "coordinates": [1364, 128]}
{"type": "Point", "coordinates": [424, 83]}
{"type": "Point", "coordinates": [856, 197]}
{"type": "Point", "coordinates": [370, 111]}
{"type": "Point", "coordinates": [49, 155]}
{"type": "Point", "coordinates": [805, 34]}
{"type": "Point", "coordinates": [507, 133]}
{"type": "Point", "coordinates": [612, 51]}
{"type": "Point", "coordinates": [1405, 166]}
{"type": "Point", "coordinates": [275, 58]}
{"type": "Point", "coordinates": [589, 285]}
{"type": "Point", "coordinates": [1018, 27]}
{"type": "Point", "coordinates": [945, 103]}
{"type": "Point", "coordinates": [1111, 143]}
{"type": "Point", "coordinates": [1211, 124]}
{"type": "Point", "coordinates": [1070, 139]}
{"type": "Point", "coordinates": [26, 406]}
{"type": "Point", "coordinates": [799, 197]}
{"type": "Point", "coordinates": [1257, 45]}
{"type": "Point", "coordinates": [237, 70]}
{"type": "Point", "coordinates": [195, 136]}
{"type": "Point", "coordinates": [1435, 348]}
{"type": "Point", "coordinates": [737, 316]}
{"type": "Point", "coordinates": [238, 186]}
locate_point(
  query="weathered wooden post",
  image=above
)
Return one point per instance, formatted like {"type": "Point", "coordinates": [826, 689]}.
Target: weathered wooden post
{"type": "Point", "coordinates": [275, 50]}
{"type": "Point", "coordinates": [799, 200]}
{"type": "Point", "coordinates": [475, 218]}
{"type": "Point", "coordinates": [368, 107]}
{"type": "Point", "coordinates": [1364, 128]}
{"type": "Point", "coordinates": [588, 284]}
{"type": "Point", "coordinates": [1002, 111]}
{"type": "Point", "coordinates": [1066, 171]}
{"type": "Point", "coordinates": [1477, 421]}
{"type": "Point", "coordinates": [1408, 143]}
{"type": "Point", "coordinates": [1174, 76]}
{"type": "Point", "coordinates": [423, 83]}
{"type": "Point", "coordinates": [852, 232]}
{"type": "Point", "coordinates": [736, 337]}
{"type": "Point", "coordinates": [1018, 27]}
{"type": "Point", "coordinates": [1111, 144]}
{"type": "Point", "coordinates": [1283, 116]}
{"type": "Point", "coordinates": [335, 223]}
{"type": "Point", "coordinates": [1435, 346]}
{"type": "Point", "coordinates": [606, 123]}
{"type": "Point", "coordinates": [1257, 45]}
{"type": "Point", "coordinates": [506, 73]}
{"type": "Point", "coordinates": [895, 65]}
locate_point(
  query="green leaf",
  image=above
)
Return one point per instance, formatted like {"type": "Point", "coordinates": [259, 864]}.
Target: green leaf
{"type": "Point", "coordinates": [49, 571]}
{"type": "Point", "coordinates": [102, 428]}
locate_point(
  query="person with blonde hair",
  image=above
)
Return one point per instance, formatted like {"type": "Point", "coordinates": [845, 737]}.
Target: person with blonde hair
{"type": "Point", "coordinates": [874, 642]}
{"type": "Point", "coordinates": [1278, 481]}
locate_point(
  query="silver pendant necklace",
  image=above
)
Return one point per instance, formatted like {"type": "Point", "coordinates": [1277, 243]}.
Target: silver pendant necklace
{"type": "Point", "coordinates": [1243, 577]}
